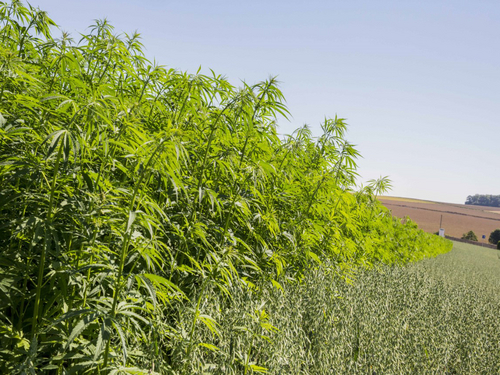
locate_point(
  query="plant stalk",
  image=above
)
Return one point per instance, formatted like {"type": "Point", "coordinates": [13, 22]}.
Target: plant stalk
{"type": "Point", "coordinates": [41, 266]}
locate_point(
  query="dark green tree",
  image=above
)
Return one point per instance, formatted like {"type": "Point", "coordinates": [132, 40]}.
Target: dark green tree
{"type": "Point", "coordinates": [470, 235]}
{"type": "Point", "coordinates": [483, 200]}
{"type": "Point", "coordinates": [494, 237]}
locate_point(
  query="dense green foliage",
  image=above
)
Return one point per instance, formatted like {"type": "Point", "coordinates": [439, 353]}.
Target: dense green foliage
{"type": "Point", "coordinates": [483, 200]}
{"type": "Point", "coordinates": [494, 237]}
{"type": "Point", "coordinates": [437, 316]}
{"type": "Point", "coordinates": [470, 235]}
{"type": "Point", "coordinates": [137, 201]}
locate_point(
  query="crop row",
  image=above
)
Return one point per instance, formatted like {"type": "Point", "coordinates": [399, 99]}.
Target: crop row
{"type": "Point", "coordinates": [131, 192]}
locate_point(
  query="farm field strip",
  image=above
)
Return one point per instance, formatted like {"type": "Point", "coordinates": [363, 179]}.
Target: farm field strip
{"type": "Point", "coordinates": [455, 219]}
{"type": "Point", "coordinates": [447, 212]}
{"type": "Point", "coordinates": [426, 202]}
{"type": "Point", "coordinates": [485, 211]}
{"type": "Point", "coordinates": [401, 199]}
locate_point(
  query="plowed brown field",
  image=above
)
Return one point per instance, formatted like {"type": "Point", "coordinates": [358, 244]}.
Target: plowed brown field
{"type": "Point", "coordinates": [457, 218]}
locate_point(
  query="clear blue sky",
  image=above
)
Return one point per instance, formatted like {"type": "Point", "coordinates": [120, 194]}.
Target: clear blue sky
{"type": "Point", "coordinates": [417, 81]}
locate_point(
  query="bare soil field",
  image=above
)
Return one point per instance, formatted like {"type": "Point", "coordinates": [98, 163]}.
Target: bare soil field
{"type": "Point", "coordinates": [457, 218]}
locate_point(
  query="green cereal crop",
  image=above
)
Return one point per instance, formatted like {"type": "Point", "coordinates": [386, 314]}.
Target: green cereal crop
{"type": "Point", "coordinates": [436, 316]}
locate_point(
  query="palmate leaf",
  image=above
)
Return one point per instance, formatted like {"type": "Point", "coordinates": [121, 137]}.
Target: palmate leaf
{"type": "Point", "coordinates": [88, 181]}
{"type": "Point", "coordinates": [131, 218]}
{"type": "Point", "coordinates": [71, 314]}
{"type": "Point", "coordinates": [163, 283]}
{"type": "Point", "coordinates": [93, 266]}
{"type": "Point", "coordinates": [79, 327]}
{"type": "Point", "coordinates": [123, 341]}
{"type": "Point", "coordinates": [68, 143]}
{"type": "Point", "coordinates": [104, 336]}
{"type": "Point", "coordinates": [149, 287]}
{"type": "Point", "coordinates": [126, 310]}
{"type": "Point", "coordinates": [11, 131]}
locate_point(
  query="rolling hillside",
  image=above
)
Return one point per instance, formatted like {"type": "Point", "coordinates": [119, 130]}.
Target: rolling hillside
{"type": "Point", "coordinates": [456, 218]}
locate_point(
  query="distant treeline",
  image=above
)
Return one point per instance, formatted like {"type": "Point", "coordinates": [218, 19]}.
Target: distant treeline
{"type": "Point", "coordinates": [484, 200]}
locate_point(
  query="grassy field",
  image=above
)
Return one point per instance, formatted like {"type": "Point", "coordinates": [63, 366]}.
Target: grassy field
{"type": "Point", "coordinates": [457, 219]}
{"type": "Point", "coordinates": [436, 316]}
